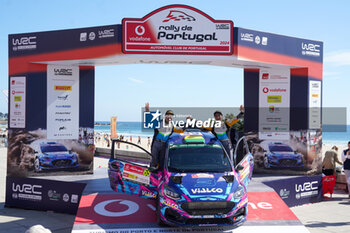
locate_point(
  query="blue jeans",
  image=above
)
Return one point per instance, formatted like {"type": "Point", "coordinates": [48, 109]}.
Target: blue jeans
{"type": "Point", "coordinates": [158, 153]}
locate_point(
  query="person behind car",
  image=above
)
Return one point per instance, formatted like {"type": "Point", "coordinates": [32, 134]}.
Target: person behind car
{"type": "Point", "coordinates": [160, 137]}
{"type": "Point", "coordinates": [346, 164]}
{"type": "Point", "coordinates": [330, 160]}
{"type": "Point", "coordinates": [223, 133]}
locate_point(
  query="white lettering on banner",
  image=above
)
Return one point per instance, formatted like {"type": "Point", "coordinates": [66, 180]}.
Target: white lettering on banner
{"type": "Point", "coordinates": [24, 43]}
{"type": "Point", "coordinates": [178, 29]}
{"type": "Point", "coordinates": [241, 229]}
{"type": "Point", "coordinates": [307, 186]}
{"type": "Point", "coordinates": [261, 205]}
{"type": "Point", "coordinates": [310, 49]}
{"type": "Point", "coordinates": [26, 188]}
{"type": "Point", "coordinates": [100, 208]}
{"type": "Point", "coordinates": [62, 102]}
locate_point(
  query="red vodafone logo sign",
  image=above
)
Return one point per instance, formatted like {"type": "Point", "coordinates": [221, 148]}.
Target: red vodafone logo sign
{"type": "Point", "coordinates": [140, 30]}
{"type": "Point", "coordinates": [177, 29]}
{"type": "Point", "coordinates": [122, 208]}
{"type": "Point", "coordinates": [266, 90]}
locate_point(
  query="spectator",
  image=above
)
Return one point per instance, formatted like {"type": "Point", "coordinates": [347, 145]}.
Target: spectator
{"type": "Point", "coordinates": [329, 161]}
{"type": "Point", "coordinates": [139, 140]}
{"type": "Point", "coordinates": [345, 156]}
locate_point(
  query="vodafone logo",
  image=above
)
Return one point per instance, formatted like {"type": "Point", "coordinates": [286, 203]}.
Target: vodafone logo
{"type": "Point", "coordinates": [140, 30]}
{"type": "Point", "coordinates": [100, 208]}
{"type": "Point", "coordinates": [266, 90]}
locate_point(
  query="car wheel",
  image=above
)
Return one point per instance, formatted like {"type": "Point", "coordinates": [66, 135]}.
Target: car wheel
{"type": "Point", "coordinates": [160, 222]}
{"type": "Point", "coordinates": [266, 163]}
{"type": "Point", "coordinates": [37, 165]}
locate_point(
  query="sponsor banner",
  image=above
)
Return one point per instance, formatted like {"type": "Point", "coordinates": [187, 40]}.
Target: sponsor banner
{"type": "Point", "coordinates": [299, 190]}
{"type": "Point", "coordinates": [279, 44]}
{"type": "Point", "coordinates": [315, 104]}
{"type": "Point", "coordinates": [274, 102]}
{"type": "Point", "coordinates": [113, 127]}
{"type": "Point", "coordinates": [17, 98]}
{"type": "Point", "coordinates": [136, 173]}
{"type": "Point", "coordinates": [227, 229]}
{"type": "Point", "coordinates": [63, 40]}
{"type": "Point", "coordinates": [41, 194]}
{"type": "Point", "coordinates": [62, 102]}
{"type": "Point", "coordinates": [178, 29]}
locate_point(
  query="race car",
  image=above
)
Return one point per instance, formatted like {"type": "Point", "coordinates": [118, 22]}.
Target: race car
{"type": "Point", "coordinates": [282, 155]}
{"type": "Point", "coordinates": [197, 186]}
{"type": "Point", "coordinates": [53, 155]}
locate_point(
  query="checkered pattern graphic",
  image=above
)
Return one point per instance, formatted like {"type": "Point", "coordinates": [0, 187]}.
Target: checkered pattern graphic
{"type": "Point", "coordinates": [177, 16]}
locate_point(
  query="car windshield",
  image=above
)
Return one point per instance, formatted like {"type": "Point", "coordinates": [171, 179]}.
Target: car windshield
{"type": "Point", "coordinates": [280, 149]}
{"type": "Point", "coordinates": [198, 158]}
{"type": "Point", "coordinates": [56, 148]}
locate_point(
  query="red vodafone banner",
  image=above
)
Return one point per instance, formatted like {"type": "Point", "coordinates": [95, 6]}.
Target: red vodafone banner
{"type": "Point", "coordinates": [122, 208]}
{"type": "Point", "coordinates": [178, 29]}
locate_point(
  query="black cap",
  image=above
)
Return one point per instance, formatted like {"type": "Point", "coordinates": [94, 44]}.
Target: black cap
{"type": "Point", "coordinates": [169, 112]}
{"type": "Point", "coordinates": [217, 111]}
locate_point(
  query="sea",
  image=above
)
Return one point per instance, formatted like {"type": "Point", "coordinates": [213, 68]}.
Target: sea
{"type": "Point", "coordinates": [135, 129]}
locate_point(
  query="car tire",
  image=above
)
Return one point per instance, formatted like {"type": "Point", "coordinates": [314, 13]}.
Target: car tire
{"type": "Point", "coordinates": [37, 165]}
{"type": "Point", "coordinates": [266, 163]}
{"type": "Point", "coordinates": [160, 222]}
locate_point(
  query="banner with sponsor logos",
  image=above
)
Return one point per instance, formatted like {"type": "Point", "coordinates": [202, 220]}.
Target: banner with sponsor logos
{"type": "Point", "coordinates": [62, 102]}
{"type": "Point", "coordinates": [178, 29]}
{"type": "Point", "coordinates": [298, 190]}
{"type": "Point", "coordinates": [41, 194]}
{"type": "Point", "coordinates": [18, 102]}
{"type": "Point", "coordinates": [274, 102]}
{"type": "Point", "coordinates": [315, 104]}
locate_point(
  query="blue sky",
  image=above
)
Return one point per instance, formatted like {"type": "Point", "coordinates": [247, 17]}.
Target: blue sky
{"type": "Point", "coordinates": [123, 90]}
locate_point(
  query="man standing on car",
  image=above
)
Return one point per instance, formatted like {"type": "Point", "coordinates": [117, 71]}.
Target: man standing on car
{"type": "Point", "coordinates": [160, 138]}
{"type": "Point", "coordinates": [223, 132]}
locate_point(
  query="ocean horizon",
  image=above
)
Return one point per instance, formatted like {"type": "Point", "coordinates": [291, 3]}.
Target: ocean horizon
{"type": "Point", "coordinates": [134, 128]}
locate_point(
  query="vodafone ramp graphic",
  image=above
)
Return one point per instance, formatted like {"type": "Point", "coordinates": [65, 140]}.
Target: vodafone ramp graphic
{"type": "Point", "coordinates": [178, 29]}
{"type": "Point", "coordinates": [100, 208]}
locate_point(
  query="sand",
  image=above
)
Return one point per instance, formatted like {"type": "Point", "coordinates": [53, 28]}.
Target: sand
{"type": "Point", "coordinates": [101, 142]}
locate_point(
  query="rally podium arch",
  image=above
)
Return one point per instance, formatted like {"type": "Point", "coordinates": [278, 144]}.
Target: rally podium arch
{"type": "Point", "coordinates": [51, 83]}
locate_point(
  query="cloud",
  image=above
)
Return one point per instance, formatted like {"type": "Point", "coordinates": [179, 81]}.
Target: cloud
{"type": "Point", "coordinates": [338, 58]}
{"type": "Point", "coordinates": [134, 80]}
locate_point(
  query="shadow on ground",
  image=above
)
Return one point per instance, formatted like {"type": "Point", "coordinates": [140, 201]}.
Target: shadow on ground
{"type": "Point", "coordinates": [19, 220]}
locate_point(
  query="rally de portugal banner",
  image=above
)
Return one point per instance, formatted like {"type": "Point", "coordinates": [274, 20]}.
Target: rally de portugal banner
{"type": "Point", "coordinates": [178, 29]}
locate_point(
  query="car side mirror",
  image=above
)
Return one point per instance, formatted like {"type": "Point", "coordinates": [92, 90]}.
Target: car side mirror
{"type": "Point", "coordinates": [239, 168]}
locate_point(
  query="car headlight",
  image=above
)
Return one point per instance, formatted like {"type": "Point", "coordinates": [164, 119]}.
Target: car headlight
{"type": "Point", "coordinates": [171, 193]}
{"type": "Point", "coordinates": [239, 193]}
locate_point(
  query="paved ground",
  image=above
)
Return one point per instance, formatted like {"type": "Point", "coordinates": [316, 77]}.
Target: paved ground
{"type": "Point", "coordinates": [331, 215]}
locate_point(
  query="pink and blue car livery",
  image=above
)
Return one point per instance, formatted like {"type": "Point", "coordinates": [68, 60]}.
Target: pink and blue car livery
{"type": "Point", "coordinates": [188, 198]}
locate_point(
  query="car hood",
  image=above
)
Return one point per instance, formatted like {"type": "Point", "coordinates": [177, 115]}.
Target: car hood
{"type": "Point", "coordinates": [209, 185]}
